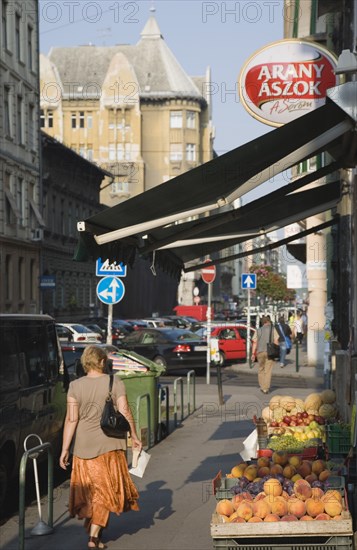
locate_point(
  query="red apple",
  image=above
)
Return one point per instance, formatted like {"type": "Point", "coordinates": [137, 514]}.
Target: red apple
{"type": "Point", "coordinates": [304, 414]}
{"type": "Point", "coordinates": [293, 417]}
{"type": "Point", "coordinates": [293, 423]}
{"type": "Point", "coordinates": [306, 421]}
{"type": "Point", "coordinates": [274, 424]}
{"type": "Point", "coordinates": [299, 415]}
{"type": "Point", "coordinates": [287, 419]}
{"type": "Point", "coordinates": [311, 417]}
{"type": "Point", "coordinates": [300, 421]}
{"type": "Point", "coordinates": [320, 419]}
{"type": "Point", "coordinates": [283, 424]}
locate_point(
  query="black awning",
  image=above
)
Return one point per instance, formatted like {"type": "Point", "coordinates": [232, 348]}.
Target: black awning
{"type": "Point", "coordinates": [117, 232]}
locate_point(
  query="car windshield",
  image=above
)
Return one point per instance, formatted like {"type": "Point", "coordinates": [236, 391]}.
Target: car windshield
{"type": "Point", "coordinates": [180, 334]}
{"type": "Point", "coordinates": [81, 329]}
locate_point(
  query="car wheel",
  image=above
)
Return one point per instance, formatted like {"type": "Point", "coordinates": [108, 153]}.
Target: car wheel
{"type": "Point", "coordinates": [4, 478]}
{"type": "Point", "coordinates": [159, 360]}
{"type": "Point", "coordinates": [222, 359]}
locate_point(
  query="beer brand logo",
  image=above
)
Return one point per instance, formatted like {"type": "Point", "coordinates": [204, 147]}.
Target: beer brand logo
{"type": "Point", "coordinates": [285, 80]}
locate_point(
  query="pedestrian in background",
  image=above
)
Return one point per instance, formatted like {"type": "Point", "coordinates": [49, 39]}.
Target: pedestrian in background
{"type": "Point", "coordinates": [284, 332]}
{"type": "Point", "coordinates": [291, 323]}
{"type": "Point", "coordinates": [100, 480]}
{"type": "Point", "coordinates": [265, 334]}
{"type": "Point", "coordinates": [299, 328]}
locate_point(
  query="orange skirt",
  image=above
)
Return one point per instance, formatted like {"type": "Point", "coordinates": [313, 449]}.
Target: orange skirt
{"type": "Point", "coordinates": [99, 486]}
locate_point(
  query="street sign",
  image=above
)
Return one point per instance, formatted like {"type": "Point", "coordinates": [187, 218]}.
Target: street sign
{"type": "Point", "coordinates": [102, 269]}
{"type": "Point", "coordinates": [110, 290]}
{"type": "Point", "coordinates": [208, 273]}
{"type": "Point", "coordinates": [48, 282]}
{"type": "Point", "coordinates": [249, 280]}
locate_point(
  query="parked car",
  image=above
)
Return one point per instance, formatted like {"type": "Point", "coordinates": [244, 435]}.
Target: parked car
{"type": "Point", "coordinates": [232, 341]}
{"type": "Point", "coordinates": [169, 347]}
{"type": "Point", "coordinates": [119, 327]}
{"type": "Point", "coordinates": [137, 323]}
{"type": "Point", "coordinates": [157, 322]}
{"type": "Point", "coordinates": [96, 328]}
{"type": "Point", "coordinates": [178, 321]}
{"type": "Point", "coordinates": [33, 384]}
{"type": "Point", "coordinates": [75, 332]}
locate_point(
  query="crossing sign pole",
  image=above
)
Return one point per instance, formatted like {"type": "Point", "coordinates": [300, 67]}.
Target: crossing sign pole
{"type": "Point", "coordinates": [249, 281]}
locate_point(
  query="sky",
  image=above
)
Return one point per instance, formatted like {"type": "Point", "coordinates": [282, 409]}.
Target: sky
{"type": "Point", "coordinates": [201, 34]}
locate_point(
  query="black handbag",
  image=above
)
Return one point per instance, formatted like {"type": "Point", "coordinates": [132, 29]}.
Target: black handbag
{"type": "Point", "coordinates": [113, 423]}
{"type": "Point", "coordinates": [273, 350]}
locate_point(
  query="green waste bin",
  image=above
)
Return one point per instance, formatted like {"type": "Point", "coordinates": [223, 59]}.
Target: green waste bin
{"type": "Point", "coordinates": [137, 384]}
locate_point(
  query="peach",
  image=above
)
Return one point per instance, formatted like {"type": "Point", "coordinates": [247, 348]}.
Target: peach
{"type": "Point", "coordinates": [260, 496]}
{"type": "Point", "coordinates": [255, 519]}
{"type": "Point", "coordinates": [280, 457]}
{"type": "Point", "coordinates": [276, 469]}
{"type": "Point", "coordinates": [250, 473]}
{"type": "Point", "coordinates": [272, 517]}
{"type": "Point", "coordinates": [289, 471]}
{"type": "Point", "coordinates": [305, 468]}
{"type": "Point", "coordinates": [318, 466]}
{"type": "Point", "coordinates": [238, 520]}
{"type": "Point", "coordinates": [273, 487]}
{"type": "Point", "coordinates": [332, 494]}
{"type": "Point", "coordinates": [333, 507]}
{"type": "Point", "coordinates": [285, 495]}
{"type": "Point", "coordinates": [238, 470]}
{"type": "Point", "coordinates": [296, 477]}
{"type": "Point", "coordinates": [263, 461]}
{"type": "Point", "coordinates": [237, 499]}
{"type": "Point", "coordinates": [295, 461]}
{"type": "Point", "coordinates": [289, 517]}
{"type": "Point", "coordinates": [314, 507]}
{"type": "Point", "coordinates": [245, 510]}
{"type": "Point", "coordinates": [302, 489]}
{"type": "Point", "coordinates": [232, 517]}
{"type": "Point", "coordinates": [337, 517]}
{"type": "Point", "coordinates": [306, 518]}
{"type": "Point", "coordinates": [261, 508]}
{"type": "Point", "coordinates": [224, 507]}
{"type": "Point", "coordinates": [325, 474]}
{"type": "Point", "coordinates": [311, 477]}
{"type": "Point", "coordinates": [296, 507]}
{"type": "Point", "coordinates": [316, 492]}
{"type": "Point", "coordinates": [263, 471]}
{"type": "Point", "coordinates": [279, 506]}
{"type": "Point", "coordinates": [323, 517]}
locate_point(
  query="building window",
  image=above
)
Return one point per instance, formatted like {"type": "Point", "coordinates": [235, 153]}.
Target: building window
{"type": "Point", "coordinates": [112, 151]}
{"type": "Point", "coordinates": [50, 119]}
{"type": "Point", "coordinates": [33, 279]}
{"type": "Point", "coordinates": [190, 152]}
{"type": "Point", "coordinates": [21, 204]}
{"type": "Point", "coordinates": [190, 119]}
{"type": "Point", "coordinates": [89, 152]}
{"type": "Point", "coordinates": [175, 119]}
{"type": "Point", "coordinates": [175, 152]}
{"type": "Point", "coordinates": [30, 47]}
{"type": "Point", "coordinates": [4, 25]}
{"type": "Point", "coordinates": [42, 118]}
{"type": "Point", "coordinates": [7, 111]}
{"type": "Point", "coordinates": [81, 119]}
{"type": "Point", "coordinates": [21, 278]}
{"type": "Point", "coordinates": [74, 120]}
{"type": "Point", "coordinates": [31, 127]}
{"type": "Point", "coordinates": [8, 277]}
{"type": "Point", "coordinates": [20, 121]}
{"type": "Point", "coordinates": [18, 36]}
{"type": "Point", "coordinates": [120, 187]}
{"type": "Point", "coordinates": [89, 122]}
{"type": "Point", "coordinates": [82, 150]}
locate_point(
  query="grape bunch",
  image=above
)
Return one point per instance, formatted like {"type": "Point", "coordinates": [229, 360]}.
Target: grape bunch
{"type": "Point", "coordinates": [285, 443]}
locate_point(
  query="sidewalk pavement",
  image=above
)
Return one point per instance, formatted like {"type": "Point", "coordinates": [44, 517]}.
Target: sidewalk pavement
{"type": "Point", "coordinates": [176, 495]}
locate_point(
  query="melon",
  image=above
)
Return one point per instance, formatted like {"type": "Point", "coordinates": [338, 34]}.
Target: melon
{"type": "Point", "coordinates": [328, 396]}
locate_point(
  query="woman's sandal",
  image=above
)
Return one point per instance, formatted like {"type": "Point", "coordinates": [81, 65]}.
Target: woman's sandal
{"type": "Point", "coordinates": [97, 543]}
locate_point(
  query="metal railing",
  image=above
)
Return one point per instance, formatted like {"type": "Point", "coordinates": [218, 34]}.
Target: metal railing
{"type": "Point", "coordinates": [191, 374]}
{"type": "Point", "coordinates": [41, 528]}
{"type": "Point", "coordinates": [175, 399]}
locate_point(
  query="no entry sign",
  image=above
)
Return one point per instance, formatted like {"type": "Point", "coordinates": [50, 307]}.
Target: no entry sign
{"type": "Point", "coordinates": [208, 273]}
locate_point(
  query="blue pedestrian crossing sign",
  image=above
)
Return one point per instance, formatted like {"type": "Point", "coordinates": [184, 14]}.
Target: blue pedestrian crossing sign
{"type": "Point", "coordinates": [249, 280]}
{"type": "Point", "coordinates": [110, 290]}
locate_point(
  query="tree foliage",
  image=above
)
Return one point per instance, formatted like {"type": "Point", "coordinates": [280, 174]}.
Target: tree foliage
{"type": "Point", "coordinates": [271, 284]}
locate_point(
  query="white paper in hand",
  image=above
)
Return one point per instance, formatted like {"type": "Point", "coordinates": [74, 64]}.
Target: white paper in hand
{"type": "Point", "coordinates": [142, 462]}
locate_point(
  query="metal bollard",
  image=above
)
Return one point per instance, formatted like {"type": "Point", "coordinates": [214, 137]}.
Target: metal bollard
{"type": "Point", "coordinates": [190, 374]}
{"type": "Point", "coordinates": [297, 356]}
{"type": "Point", "coordinates": [175, 399]}
{"type": "Point", "coordinates": [165, 390]}
{"type": "Point", "coordinates": [41, 528]}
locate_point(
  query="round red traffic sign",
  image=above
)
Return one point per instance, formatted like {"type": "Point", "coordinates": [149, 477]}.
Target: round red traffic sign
{"type": "Point", "coordinates": [208, 273]}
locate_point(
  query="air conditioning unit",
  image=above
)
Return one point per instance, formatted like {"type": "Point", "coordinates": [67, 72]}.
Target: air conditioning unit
{"type": "Point", "coordinates": [37, 234]}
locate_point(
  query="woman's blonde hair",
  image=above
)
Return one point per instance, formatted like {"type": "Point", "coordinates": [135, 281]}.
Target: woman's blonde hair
{"type": "Point", "coordinates": [92, 359]}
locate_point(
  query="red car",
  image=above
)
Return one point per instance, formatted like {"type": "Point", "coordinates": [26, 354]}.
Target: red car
{"type": "Point", "coordinates": [231, 341]}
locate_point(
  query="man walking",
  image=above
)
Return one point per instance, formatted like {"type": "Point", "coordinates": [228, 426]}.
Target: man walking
{"type": "Point", "coordinates": [267, 333]}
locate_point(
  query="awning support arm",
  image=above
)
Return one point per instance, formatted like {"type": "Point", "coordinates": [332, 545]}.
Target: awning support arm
{"type": "Point", "coordinates": [271, 246]}
{"type": "Point", "coordinates": [211, 223]}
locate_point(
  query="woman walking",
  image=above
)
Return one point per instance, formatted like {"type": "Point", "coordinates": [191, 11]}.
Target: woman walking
{"type": "Point", "coordinates": [100, 481]}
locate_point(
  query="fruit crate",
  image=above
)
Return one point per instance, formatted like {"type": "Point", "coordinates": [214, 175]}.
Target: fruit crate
{"type": "Point", "coordinates": [283, 535]}
{"type": "Point", "coordinates": [338, 438]}
{"type": "Point", "coordinates": [224, 490]}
